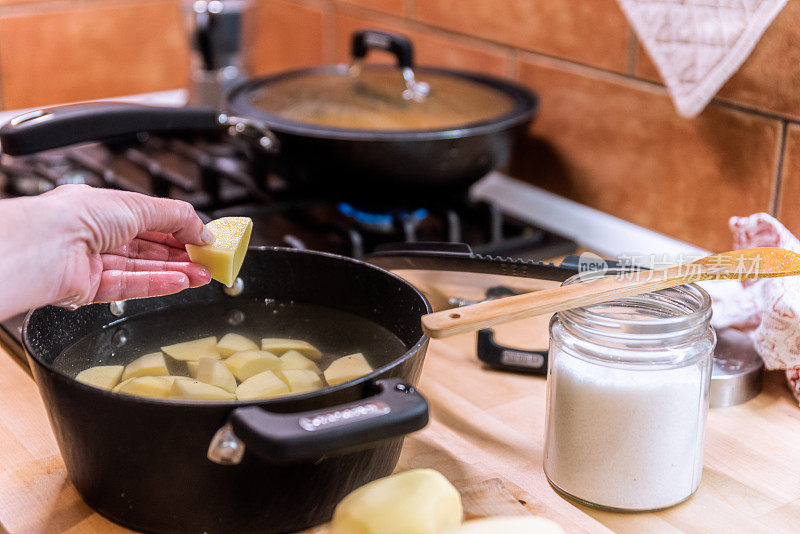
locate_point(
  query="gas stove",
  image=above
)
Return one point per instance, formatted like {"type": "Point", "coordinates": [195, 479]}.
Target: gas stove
{"type": "Point", "coordinates": [219, 176]}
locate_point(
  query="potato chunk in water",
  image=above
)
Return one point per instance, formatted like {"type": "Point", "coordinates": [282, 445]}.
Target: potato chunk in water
{"type": "Point", "coordinates": [247, 363]}
{"type": "Point", "coordinates": [279, 345]}
{"type": "Point", "coordinates": [146, 386]}
{"type": "Point", "coordinates": [292, 359]}
{"type": "Point", "coordinates": [101, 376]}
{"type": "Point", "coordinates": [152, 364]}
{"type": "Point", "coordinates": [347, 368]}
{"type": "Point", "coordinates": [215, 372]}
{"type": "Point", "coordinates": [193, 350]}
{"type": "Point", "coordinates": [194, 390]}
{"type": "Point", "coordinates": [262, 386]}
{"type": "Point", "coordinates": [300, 380]}
{"type": "Point", "coordinates": [232, 343]}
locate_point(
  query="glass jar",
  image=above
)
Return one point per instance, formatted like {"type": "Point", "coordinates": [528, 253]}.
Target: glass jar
{"type": "Point", "coordinates": [627, 398]}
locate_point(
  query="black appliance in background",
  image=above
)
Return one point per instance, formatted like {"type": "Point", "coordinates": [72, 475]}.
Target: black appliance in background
{"type": "Point", "coordinates": [217, 174]}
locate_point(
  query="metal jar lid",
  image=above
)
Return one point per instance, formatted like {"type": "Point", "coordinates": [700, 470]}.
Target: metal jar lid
{"type": "Point", "coordinates": [738, 371]}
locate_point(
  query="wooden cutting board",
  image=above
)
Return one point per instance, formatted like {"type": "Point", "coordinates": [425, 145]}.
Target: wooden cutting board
{"type": "Point", "coordinates": [485, 425]}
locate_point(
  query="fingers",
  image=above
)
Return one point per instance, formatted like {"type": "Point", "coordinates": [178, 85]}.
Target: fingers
{"type": "Point", "coordinates": [159, 237]}
{"type": "Point", "coordinates": [124, 285]}
{"type": "Point", "coordinates": [197, 274]}
{"type": "Point", "coordinates": [151, 250]}
{"type": "Point", "coordinates": [171, 217]}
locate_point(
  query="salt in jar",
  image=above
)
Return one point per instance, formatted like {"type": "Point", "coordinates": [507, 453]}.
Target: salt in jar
{"type": "Point", "coordinates": [627, 398]}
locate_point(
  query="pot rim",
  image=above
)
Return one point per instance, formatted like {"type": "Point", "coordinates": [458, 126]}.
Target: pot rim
{"type": "Point", "coordinates": [526, 104]}
{"type": "Point", "coordinates": [216, 405]}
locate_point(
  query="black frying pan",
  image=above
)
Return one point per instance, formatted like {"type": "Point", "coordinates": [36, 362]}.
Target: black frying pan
{"type": "Point", "coordinates": [353, 164]}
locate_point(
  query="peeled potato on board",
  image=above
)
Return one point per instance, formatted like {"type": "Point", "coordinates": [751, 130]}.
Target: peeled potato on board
{"type": "Point", "coordinates": [232, 343]}
{"type": "Point", "coordinates": [152, 364]}
{"type": "Point", "coordinates": [193, 350]}
{"type": "Point", "coordinates": [191, 367]}
{"type": "Point", "coordinates": [292, 359]}
{"type": "Point", "coordinates": [247, 363]}
{"type": "Point", "coordinates": [216, 373]}
{"type": "Point", "coordinates": [300, 380]}
{"type": "Point", "coordinates": [225, 255]}
{"type": "Point", "coordinates": [194, 390]}
{"type": "Point", "coordinates": [101, 376]}
{"type": "Point", "coordinates": [146, 386]}
{"type": "Point", "coordinates": [280, 345]}
{"type": "Point", "coordinates": [508, 525]}
{"type": "Point", "coordinates": [262, 386]}
{"type": "Point", "coordinates": [347, 368]}
{"type": "Point", "coordinates": [420, 501]}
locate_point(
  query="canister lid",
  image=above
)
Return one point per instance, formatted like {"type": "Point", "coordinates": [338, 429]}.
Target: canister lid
{"type": "Point", "coordinates": [738, 371]}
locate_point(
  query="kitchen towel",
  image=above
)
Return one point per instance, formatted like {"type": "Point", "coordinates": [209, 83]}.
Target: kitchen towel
{"type": "Point", "coordinates": [768, 309]}
{"type": "Point", "coordinates": [697, 45]}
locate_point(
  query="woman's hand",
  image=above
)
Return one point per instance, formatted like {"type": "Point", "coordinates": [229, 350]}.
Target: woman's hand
{"type": "Point", "coordinates": [76, 245]}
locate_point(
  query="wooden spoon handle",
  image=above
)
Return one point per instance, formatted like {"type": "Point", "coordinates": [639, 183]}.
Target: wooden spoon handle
{"type": "Point", "coordinates": [484, 314]}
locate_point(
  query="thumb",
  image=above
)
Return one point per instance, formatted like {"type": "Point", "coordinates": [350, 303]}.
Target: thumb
{"type": "Point", "coordinates": [170, 216]}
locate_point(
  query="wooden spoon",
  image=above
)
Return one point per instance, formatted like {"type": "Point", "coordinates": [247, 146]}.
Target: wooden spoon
{"type": "Point", "coordinates": [737, 264]}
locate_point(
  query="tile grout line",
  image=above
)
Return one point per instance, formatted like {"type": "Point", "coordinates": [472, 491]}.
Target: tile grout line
{"type": "Point", "coordinates": [409, 9]}
{"type": "Point", "coordinates": [633, 52]}
{"type": "Point", "coordinates": [778, 180]}
{"type": "Point", "coordinates": [329, 32]}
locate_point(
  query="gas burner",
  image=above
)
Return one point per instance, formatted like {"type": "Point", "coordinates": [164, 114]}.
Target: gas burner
{"type": "Point", "coordinates": [385, 223]}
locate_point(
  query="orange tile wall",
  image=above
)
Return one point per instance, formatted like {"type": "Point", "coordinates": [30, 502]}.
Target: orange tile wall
{"type": "Point", "coordinates": [607, 134]}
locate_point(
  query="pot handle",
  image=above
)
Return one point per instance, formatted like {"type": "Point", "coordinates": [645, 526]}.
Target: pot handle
{"type": "Point", "coordinates": [55, 127]}
{"type": "Point", "coordinates": [395, 410]}
{"type": "Point", "coordinates": [398, 45]}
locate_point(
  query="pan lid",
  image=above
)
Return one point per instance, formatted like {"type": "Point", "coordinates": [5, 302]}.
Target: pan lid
{"type": "Point", "coordinates": [381, 97]}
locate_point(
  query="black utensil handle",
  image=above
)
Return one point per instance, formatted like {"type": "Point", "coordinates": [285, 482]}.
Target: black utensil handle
{"type": "Point", "coordinates": [509, 359]}
{"type": "Point", "coordinates": [55, 127]}
{"type": "Point", "coordinates": [398, 45]}
{"type": "Point", "coordinates": [396, 410]}
{"type": "Point", "coordinates": [425, 256]}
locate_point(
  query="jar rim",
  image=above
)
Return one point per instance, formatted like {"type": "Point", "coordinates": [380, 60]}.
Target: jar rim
{"type": "Point", "coordinates": [686, 309]}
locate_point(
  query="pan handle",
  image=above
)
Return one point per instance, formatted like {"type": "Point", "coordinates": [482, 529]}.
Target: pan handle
{"type": "Point", "coordinates": [397, 45]}
{"type": "Point", "coordinates": [55, 127]}
{"type": "Point", "coordinates": [395, 410]}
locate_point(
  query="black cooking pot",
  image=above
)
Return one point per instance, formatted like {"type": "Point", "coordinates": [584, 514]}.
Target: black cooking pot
{"type": "Point", "coordinates": [269, 466]}
{"type": "Point", "coordinates": [362, 132]}
{"type": "Point", "coordinates": [276, 465]}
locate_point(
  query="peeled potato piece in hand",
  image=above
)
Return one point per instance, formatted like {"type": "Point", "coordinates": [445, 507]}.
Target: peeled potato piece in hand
{"type": "Point", "coordinates": [216, 373]}
{"type": "Point", "coordinates": [280, 345]}
{"type": "Point", "coordinates": [508, 525]}
{"type": "Point", "coordinates": [292, 359]}
{"type": "Point", "coordinates": [347, 368]}
{"type": "Point", "coordinates": [232, 343]}
{"type": "Point", "coordinates": [262, 386]}
{"type": "Point", "coordinates": [420, 501]}
{"type": "Point", "coordinates": [247, 363]}
{"type": "Point", "coordinates": [101, 376]}
{"type": "Point", "coordinates": [146, 386]}
{"type": "Point", "coordinates": [194, 390]}
{"type": "Point", "coordinates": [300, 380]}
{"type": "Point", "coordinates": [193, 350]}
{"type": "Point", "coordinates": [225, 255]}
{"type": "Point", "coordinates": [152, 364]}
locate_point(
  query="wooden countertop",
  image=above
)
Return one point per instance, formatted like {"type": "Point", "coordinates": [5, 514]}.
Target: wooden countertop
{"type": "Point", "coordinates": [485, 425]}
